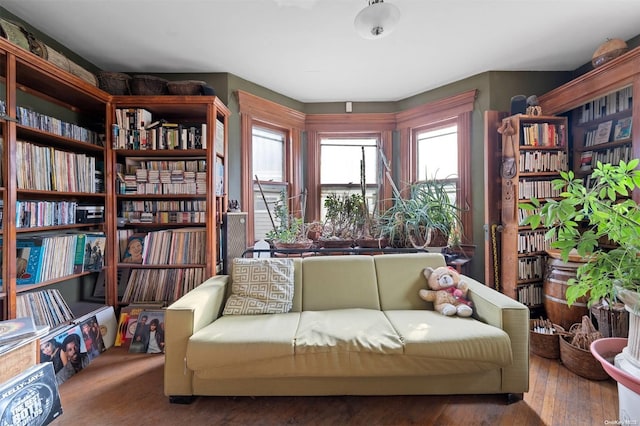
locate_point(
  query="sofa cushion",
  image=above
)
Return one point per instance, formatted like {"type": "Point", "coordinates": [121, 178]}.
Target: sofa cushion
{"type": "Point", "coordinates": [346, 330]}
{"type": "Point", "coordinates": [339, 282]}
{"type": "Point", "coordinates": [400, 279]}
{"type": "Point", "coordinates": [451, 341]}
{"type": "Point", "coordinates": [242, 340]}
{"type": "Point", "coordinates": [260, 286]}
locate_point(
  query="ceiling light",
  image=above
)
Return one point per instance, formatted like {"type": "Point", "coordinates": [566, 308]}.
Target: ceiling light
{"type": "Point", "coordinates": [377, 20]}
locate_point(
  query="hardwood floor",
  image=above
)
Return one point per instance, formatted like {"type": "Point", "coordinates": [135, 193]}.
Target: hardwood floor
{"type": "Point", "coordinates": [122, 388]}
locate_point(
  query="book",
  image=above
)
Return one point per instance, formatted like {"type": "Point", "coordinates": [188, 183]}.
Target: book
{"type": "Point", "coordinates": [586, 158]}
{"type": "Point", "coordinates": [135, 247]}
{"type": "Point", "coordinates": [31, 397]}
{"type": "Point", "coordinates": [623, 129]}
{"type": "Point", "coordinates": [603, 132]}
{"type": "Point", "coordinates": [94, 249]}
{"type": "Point", "coordinates": [16, 329]}
{"type": "Point", "coordinates": [148, 336]}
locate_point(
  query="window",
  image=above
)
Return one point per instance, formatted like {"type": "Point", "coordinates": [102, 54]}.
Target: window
{"type": "Point", "coordinates": [268, 159]}
{"type": "Point", "coordinates": [270, 147]}
{"type": "Point", "coordinates": [340, 167]}
{"type": "Point", "coordinates": [435, 138]}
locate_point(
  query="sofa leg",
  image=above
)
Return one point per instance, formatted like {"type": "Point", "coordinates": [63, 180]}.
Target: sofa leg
{"type": "Point", "coordinates": [181, 399]}
{"type": "Point", "coordinates": [514, 397]}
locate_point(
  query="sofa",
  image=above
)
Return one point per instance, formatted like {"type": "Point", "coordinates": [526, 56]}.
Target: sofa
{"type": "Point", "coordinates": [355, 325]}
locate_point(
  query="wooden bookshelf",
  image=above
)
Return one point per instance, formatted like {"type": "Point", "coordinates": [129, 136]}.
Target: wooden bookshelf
{"type": "Point", "coordinates": [48, 113]}
{"type": "Point", "coordinates": [147, 203]}
{"type": "Point", "coordinates": [538, 144]}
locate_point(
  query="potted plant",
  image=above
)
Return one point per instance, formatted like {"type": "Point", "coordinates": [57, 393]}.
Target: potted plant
{"type": "Point", "coordinates": [340, 222]}
{"type": "Point", "coordinates": [580, 221]}
{"type": "Point", "coordinates": [425, 219]}
{"type": "Point", "coordinates": [289, 232]}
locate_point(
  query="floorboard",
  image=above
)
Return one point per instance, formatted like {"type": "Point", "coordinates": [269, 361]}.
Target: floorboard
{"type": "Point", "coordinates": [122, 388]}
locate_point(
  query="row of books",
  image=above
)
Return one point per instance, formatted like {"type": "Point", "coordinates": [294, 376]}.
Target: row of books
{"type": "Point", "coordinates": [49, 169]}
{"type": "Point", "coordinates": [166, 285]}
{"type": "Point", "coordinates": [162, 135]}
{"type": "Point", "coordinates": [542, 161]}
{"type": "Point", "coordinates": [533, 242]}
{"type": "Point", "coordinates": [530, 294]}
{"type": "Point", "coordinates": [602, 134]}
{"type": "Point", "coordinates": [530, 268]}
{"type": "Point", "coordinates": [167, 247]}
{"type": "Point", "coordinates": [133, 165]}
{"type": "Point", "coordinates": [603, 106]}
{"type": "Point", "coordinates": [30, 118]}
{"type": "Point", "coordinates": [543, 134]}
{"type": "Point", "coordinates": [612, 155]}
{"type": "Point", "coordinates": [47, 307]}
{"type": "Point", "coordinates": [523, 213]}
{"type": "Point", "coordinates": [537, 188]}
{"type": "Point", "coordinates": [51, 256]}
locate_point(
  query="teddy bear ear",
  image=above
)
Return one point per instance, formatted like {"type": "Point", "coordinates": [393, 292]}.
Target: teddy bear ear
{"type": "Point", "coordinates": [427, 272]}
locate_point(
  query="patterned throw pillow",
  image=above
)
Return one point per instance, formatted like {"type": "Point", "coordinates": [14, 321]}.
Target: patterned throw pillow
{"type": "Point", "coordinates": [260, 286]}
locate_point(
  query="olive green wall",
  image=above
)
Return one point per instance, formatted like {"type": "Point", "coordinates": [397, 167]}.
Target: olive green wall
{"type": "Point", "coordinates": [495, 89]}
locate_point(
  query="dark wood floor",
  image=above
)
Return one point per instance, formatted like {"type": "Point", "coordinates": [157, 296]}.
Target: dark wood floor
{"type": "Point", "coordinates": [122, 388]}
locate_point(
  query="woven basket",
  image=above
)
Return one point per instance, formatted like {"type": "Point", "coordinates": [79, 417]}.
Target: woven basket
{"type": "Point", "coordinates": [148, 85]}
{"type": "Point", "coordinates": [580, 361]}
{"type": "Point", "coordinates": [116, 83]}
{"type": "Point", "coordinates": [545, 345]}
{"type": "Point", "coordinates": [186, 87]}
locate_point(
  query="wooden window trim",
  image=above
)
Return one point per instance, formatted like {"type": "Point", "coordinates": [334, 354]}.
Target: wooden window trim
{"type": "Point", "coordinates": [456, 109]}
{"type": "Point", "coordinates": [261, 112]}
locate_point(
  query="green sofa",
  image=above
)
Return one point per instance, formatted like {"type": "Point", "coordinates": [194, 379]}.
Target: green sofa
{"type": "Point", "coordinates": [357, 327]}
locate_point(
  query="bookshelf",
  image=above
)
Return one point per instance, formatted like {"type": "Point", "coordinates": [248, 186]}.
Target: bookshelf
{"type": "Point", "coordinates": [593, 100]}
{"type": "Point", "coordinates": [538, 145]}
{"type": "Point", "coordinates": [168, 154]}
{"type": "Point", "coordinates": [53, 157]}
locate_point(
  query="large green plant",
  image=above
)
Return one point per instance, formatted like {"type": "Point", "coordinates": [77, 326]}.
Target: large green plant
{"type": "Point", "coordinates": [427, 208]}
{"type": "Point", "coordinates": [288, 229]}
{"type": "Point", "coordinates": [342, 215]}
{"type": "Point", "coordinates": [583, 217]}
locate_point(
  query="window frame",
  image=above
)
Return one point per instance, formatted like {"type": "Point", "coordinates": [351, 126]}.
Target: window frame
{"type": "Point", "coordinates": [452, 110]}
{"type": "Point", "coordinates": [256, 111]}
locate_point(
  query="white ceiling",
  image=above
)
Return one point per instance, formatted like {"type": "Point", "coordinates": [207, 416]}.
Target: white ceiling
{"type": "Point", "coordinates": [308, 49]}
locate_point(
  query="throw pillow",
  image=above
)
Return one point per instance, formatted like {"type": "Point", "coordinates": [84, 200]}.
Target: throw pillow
{"type": "Point", "coordinates": [260, 286]}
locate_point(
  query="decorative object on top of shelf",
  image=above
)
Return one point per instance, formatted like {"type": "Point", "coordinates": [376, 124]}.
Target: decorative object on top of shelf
{"type": "Point", "coordinates": [148, 85]}
{"type": "Point", "coordinates": [377, 20]}
{"type": "Point", "coordinates": [185, 87]}
{"type": "Point", "coordinates": [14, 33]}
{"type": "Point", "coordinates": [115, 83]}
{"type": "Point", "coordinates": [234, 206]}
{"type": "Point", "coordinates": [610, 49]}
{"type": "Point", "coordinates": [533, 107]}
{"type": "Point", "coordinates": [518, 104]}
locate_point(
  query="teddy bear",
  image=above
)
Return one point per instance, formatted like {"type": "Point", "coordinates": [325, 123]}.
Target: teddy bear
{"type": "Point", "coordinates": [447, 291]}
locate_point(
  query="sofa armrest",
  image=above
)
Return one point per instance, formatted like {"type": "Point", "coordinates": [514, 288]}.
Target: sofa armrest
{"type": "Point", "coordinates": [499, 310]}
{"type": "Point", "coordinates": [193, 311]}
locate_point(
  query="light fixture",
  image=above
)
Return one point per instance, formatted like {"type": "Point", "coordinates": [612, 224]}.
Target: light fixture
{"type": "Point", "coordinates": [377, 20]}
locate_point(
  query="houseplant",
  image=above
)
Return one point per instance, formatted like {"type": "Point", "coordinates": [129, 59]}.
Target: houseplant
{"type": "Point", "coordinates": [425, 219]}
{"type": "Point", "coordinates": [288, 231]}
{"type": "Point", "coordinates": [341, 217]}
{"type": "Point", "coordinates": [580, 220]}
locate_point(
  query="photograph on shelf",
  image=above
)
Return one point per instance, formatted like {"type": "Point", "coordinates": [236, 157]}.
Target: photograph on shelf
{"type": "Point", "coordinates": [135, 247]}
{"type": "Point", "coordinates": [623, 129]}
{"type": "Point", "coordinates": [149, 334]}
{"type": "Point", "coordinates": [603, 132]}
{"type": "Point", "coordinates": [94, 251]}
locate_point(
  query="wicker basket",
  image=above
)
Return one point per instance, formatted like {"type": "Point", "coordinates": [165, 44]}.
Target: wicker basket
{"type": "Point", "coordinates": [580, 361]}
{"type": "Point", "coordinates": [148, 85]}
{"type": "Point", "coordinates": [185, 87]}
{"type": "Point", "coordinates": [116, 83]}
{"type": "Point", "coordinates": [545, 345]}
